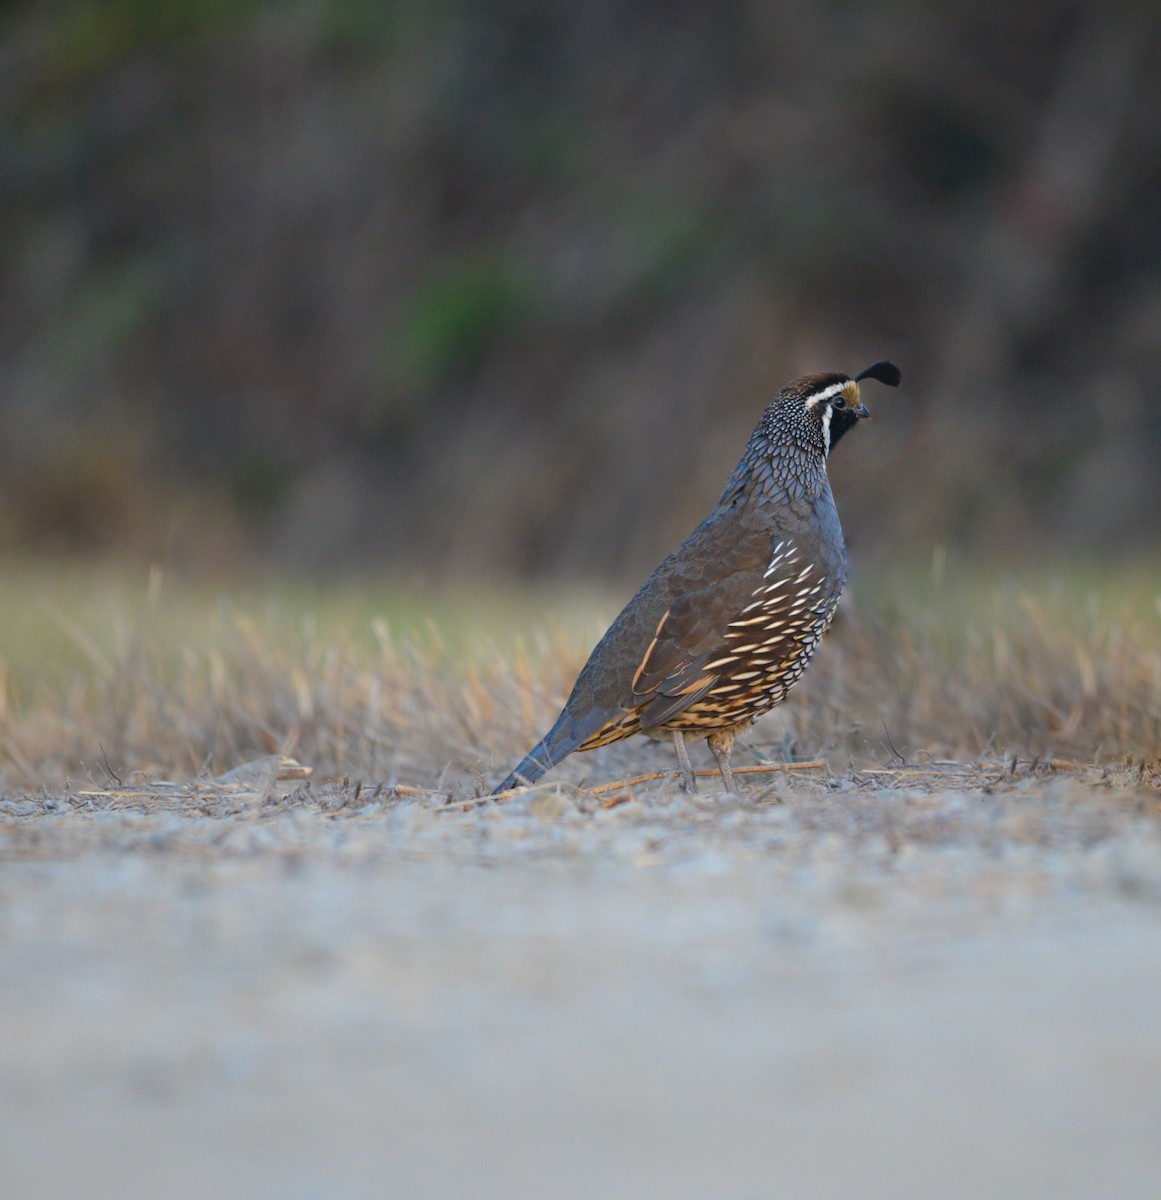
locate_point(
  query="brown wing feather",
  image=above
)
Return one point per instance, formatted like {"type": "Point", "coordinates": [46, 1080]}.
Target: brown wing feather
{"type": "Point", "coordinates": [674, 656]}
{"type": "Point", "coordinates": [676, 619]}
{"type": "Point", "coordinates": [689, 656]}
{"type": "Point", "coordinates": [757, 645]}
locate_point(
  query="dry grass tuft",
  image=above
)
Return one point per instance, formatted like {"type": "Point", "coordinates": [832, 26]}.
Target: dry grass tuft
{"type": "Point", "coordinates": [912, 672]}
{"type": "Point", "coordinates": [1032, 667]}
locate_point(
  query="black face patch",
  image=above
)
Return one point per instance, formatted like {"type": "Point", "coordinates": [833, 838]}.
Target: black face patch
{"type": "Point", "coordinates": [842, 419]}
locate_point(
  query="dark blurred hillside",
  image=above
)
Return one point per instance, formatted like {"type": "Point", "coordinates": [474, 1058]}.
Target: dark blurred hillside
{"type": "Point", "coordinates": [504, 286]}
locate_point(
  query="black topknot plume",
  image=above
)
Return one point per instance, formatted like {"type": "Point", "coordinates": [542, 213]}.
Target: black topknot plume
{"type": "Point", "coordinates": [884, 372]}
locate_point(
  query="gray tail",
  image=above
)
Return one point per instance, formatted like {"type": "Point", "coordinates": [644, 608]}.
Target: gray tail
{"type": "Point", "coordinates": [559, 742]}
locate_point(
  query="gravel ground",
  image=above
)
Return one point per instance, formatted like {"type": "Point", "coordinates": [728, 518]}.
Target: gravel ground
{"type": "Point", "coordinates": [932, 983]}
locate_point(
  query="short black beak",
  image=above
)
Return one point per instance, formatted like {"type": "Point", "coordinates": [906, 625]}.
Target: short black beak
{"type": "Point", "coordinates": [862, 412]}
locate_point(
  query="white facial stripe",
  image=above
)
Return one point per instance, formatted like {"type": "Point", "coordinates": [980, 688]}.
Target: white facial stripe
{"type": "Point", "coordinates": [827, 392]}
{"type": "Point", "coordinates": [827, 413]}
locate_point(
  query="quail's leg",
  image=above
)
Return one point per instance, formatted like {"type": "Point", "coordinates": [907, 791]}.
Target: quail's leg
{"type": "Point", "coordinates": [688, 782]}
{"type": "Point", "coordinates": [721, 742]}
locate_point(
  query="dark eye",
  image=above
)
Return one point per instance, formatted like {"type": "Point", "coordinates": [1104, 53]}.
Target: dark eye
{"type": "Point", "coordinates": [840, 401]}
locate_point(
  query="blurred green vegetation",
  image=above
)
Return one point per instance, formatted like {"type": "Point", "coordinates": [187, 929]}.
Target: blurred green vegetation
{"type": "Point", "coordinates": [449, 324]}
{"type": "Point", "coordinates": [502, 287]}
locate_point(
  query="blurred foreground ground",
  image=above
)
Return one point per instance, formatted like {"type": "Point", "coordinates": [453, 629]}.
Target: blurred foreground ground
{"type": "Point", "coordinates": [892, 984]}
{"type": "Point", "coordinates": [886, 974]}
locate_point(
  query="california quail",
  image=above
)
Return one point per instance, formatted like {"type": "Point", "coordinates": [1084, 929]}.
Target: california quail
{"type": "Point", "coordinates": [722, 630]}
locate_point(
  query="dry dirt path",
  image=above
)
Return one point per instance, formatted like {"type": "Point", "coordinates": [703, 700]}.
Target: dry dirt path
{"type": "Point", "coordinates": [896, 985]}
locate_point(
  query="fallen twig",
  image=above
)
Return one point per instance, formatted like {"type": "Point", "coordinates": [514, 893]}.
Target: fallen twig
{"type": "Point", "coordinates": [762, 769]}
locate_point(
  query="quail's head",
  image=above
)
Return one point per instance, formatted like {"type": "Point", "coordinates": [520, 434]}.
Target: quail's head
{"type": "Point", "coordinates": [814, 411]}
